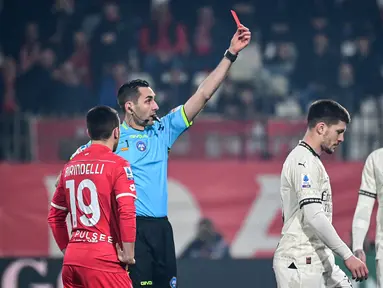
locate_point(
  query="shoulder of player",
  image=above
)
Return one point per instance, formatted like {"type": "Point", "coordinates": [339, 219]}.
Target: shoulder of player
{"type": "Point", "coordinates": [301, 158]}
{"type": "Point", "coordinates": [80, 150]}
{"type": "Point", "coordinates": [113, 157]}
{"type": "Point", "coordinates": [375, 155]}
{"type": "Point", "coordinates": [116, 160]}
{"type": "Point", "coordinates": [171, 112]}
{"type": "Point", "coordinates": [299, 154]}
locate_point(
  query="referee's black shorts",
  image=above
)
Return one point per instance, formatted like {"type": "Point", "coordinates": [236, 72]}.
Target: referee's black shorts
{"type": "Point", "coordinates": [155, 254]}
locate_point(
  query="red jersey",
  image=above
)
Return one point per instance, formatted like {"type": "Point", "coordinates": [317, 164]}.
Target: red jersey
{"type": "Point", "coordinates": [98, 190]}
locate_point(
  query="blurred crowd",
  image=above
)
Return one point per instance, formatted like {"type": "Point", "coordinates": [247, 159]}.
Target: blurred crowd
{"type": "Point", "coordinates": [64, 58]}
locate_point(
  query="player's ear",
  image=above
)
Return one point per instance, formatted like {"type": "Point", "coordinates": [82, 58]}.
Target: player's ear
{"type": "Point", "coordinates": [116, 133]}
{"type": "Point", "coordinates": [321, 128]}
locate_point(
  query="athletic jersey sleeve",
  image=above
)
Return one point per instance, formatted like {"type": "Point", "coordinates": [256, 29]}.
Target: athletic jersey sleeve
{"type": "Point", "coordinates": [306, 178]}
{"type": "Point", "coordinates": [175, 123]}
{"type": "Point", "coordinates": [324, 230]}
{"type": "Point", "coordinates": [368, 184]}
{"type": "Point", "coordinates": [57, 217]}
{"type": "Point", "coordinates": [365, 205]}
{"type": "Point", "coordinates": [125, 194]}
{"type": "Point", "coordinates": [80, 149]}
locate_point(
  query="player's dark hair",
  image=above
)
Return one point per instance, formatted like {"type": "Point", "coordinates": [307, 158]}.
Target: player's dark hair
{"type": "Point", "coordinates": [129, 92]}
{"type": "Point", "coordinates": [328, 111]}
{"type": "Point", "coordinates": [101, 121]}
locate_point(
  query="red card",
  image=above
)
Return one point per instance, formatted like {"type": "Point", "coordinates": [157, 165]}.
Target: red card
{"type": "Point", "coordinates": [236, 19]}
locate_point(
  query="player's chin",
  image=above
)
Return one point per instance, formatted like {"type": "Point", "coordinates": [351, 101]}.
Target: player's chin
{"type": "Point", "coordinates": [333, 148]}
{"type": "Point", "coordinates": [329, 150]}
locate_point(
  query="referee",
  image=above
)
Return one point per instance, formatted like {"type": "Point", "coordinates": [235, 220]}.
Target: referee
{"type": "Point", "coordinates": [145, 141]}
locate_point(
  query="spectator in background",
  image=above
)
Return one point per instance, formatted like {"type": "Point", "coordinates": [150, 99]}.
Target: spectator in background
{"type": "Point", "coordinates": [63, 10]}
{"type": "Point", "coordinates": [321, 75]}
{"type": "Point", "coordinates": [206, 40]}
{"type": "Point", "coordinates": [228, 103]}
{"type": "Point", "coordinates": [111, 82]}
{"type": "Point", "coordinates": [163, 42]}
{"type": "Point", "coordinates": [323, 69]}
{"type": "Point", "coordinates": [248, 103]}
{"type": "Point", "coordinates": [30, 50]}
{"type": "Point", "coordinates": [71, 95]}
{"type": "Point", "coordinates": [36, 86]}
{"type": "Point", "coordinates": [80, 57]}
{"type": "Point", "coordinates": [346, 91]}
{"type": "Point", "coordinates": [7, 86]}
{"type": "Point", "coordinates": [110, 41]}
{"type": "Point", "coordinates": [366, 66]}
{"type": "Point", "coordinates": [208, 243]}
{"type": "Point", "coordinates": [280, 59]}
{"type": "Point", "coordinates": [7, 103]}
{"type": "Point", "coordinates": [175, 87]}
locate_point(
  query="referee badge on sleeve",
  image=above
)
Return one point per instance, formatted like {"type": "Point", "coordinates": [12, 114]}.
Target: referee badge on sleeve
{"type": "Point", "coordinates": [306, 182]}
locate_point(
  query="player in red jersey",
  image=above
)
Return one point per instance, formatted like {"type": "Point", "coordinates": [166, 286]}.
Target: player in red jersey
{"type": "Point", "coordinates": [98, 190]}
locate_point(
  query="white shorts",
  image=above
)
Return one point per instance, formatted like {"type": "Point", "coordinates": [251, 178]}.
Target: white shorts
{"type": "Point", "coordinates": [309, 276]}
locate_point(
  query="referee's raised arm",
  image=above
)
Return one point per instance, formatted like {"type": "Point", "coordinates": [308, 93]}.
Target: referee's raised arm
{"type": "Point", "coordinates": [207, 88]}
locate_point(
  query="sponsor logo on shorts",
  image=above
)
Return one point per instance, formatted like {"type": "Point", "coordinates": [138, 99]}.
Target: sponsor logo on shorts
{"type": "Point", "coordinates": [173, 282]}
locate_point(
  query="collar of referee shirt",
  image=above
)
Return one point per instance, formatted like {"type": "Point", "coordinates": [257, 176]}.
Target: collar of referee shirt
{"type": "Point", "coordinates": [126, 127]}
{"type": "Point", "coordinates": [308, 147]}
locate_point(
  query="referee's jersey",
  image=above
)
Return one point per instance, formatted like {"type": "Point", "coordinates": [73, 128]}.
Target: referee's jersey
{"type": "Point", "coordinates": [147, 153]}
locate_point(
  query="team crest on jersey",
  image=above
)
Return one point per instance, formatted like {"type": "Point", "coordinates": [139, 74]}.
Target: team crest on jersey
{"type": "Point", "coordinates": [306, 182]}
{"type": "Point", "coordinates": [129, 173]}
{"type": "Point", "coordinates": [141, 146]}
{"type": "Point", "coordinates": [173, 282]}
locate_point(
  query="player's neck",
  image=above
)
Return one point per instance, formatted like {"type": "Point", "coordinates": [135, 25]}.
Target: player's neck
{"type": "Point", "coordinates": [104, 143]}
{"type": "Point", "coordinates": [131, 123]}
{"type": "Point", "coordinates": [315, 145]}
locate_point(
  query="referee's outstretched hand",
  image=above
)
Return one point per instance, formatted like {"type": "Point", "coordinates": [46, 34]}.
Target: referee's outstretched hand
{"type": "Point", "coordinates": [357, 268]}
{"type": "Point", "coordinates": [240, 39]}
{"type": "Point", "coordinates": [123, 256]}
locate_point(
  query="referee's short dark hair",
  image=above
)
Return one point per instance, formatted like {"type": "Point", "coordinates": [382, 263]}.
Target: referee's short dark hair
{"type": "Point", "coordinates": [328, 111]}
{"type": "Point", "coordinates": [101, 121]}
{"type": "Point", "coordinates": [129, 92]}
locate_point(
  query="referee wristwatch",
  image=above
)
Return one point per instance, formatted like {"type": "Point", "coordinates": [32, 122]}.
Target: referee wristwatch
{"type": "Point", "coordinates": [232, 57]}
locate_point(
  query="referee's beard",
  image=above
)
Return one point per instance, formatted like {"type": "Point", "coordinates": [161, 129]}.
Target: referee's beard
{"type": "Point", "coordinates": [138, 121]}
